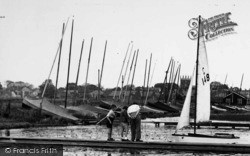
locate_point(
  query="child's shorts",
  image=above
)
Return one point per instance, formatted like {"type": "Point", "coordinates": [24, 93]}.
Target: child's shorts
{"type": "Point", "coordinates": [109, 125]}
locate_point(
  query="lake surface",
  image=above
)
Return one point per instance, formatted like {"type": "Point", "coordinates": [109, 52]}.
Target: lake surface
{"type": "Point", "coordinates": [149, 133]}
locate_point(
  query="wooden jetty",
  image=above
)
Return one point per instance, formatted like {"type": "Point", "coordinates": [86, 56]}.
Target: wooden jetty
{"type": "Point", "coordinates": [183, 146]}
{"type": "Point", "coordinates": [233, 125]}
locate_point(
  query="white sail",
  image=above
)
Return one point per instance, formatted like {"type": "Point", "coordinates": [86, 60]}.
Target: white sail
{"type": "Point", "coordinates": [203, 86]}
{"type": "Point", "coordinates": [202, 105]}
{"type": "Point", "coordinates": [185, 113]}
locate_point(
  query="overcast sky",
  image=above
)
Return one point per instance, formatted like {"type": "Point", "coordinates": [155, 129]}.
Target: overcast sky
{"type": "Point", "coordinates": [30, 31]}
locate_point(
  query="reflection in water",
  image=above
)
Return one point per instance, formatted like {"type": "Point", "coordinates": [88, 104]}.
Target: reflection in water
{"type": "Point", "coordinates": [77, 151]}
{"type": "Point", "coordinates": [82, 151]}
{"type": "Point", "coordinates": [92, 132]}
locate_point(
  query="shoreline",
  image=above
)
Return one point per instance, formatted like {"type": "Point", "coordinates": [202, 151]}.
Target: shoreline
{"type": "Point", "coordinates": [10, 124]}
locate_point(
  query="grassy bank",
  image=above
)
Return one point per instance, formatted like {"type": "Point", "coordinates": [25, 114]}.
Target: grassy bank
{"type": "Point", "coordinates": [233, 116]}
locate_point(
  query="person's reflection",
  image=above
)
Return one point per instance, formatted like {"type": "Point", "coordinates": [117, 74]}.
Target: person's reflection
{"type": "Point", "coordinates": [134, 151]}
{"type": "Point", "coordinates": [126, 152]}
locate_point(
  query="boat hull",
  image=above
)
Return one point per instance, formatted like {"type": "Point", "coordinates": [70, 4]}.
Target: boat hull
{"type": "Point", "coordinates": [49, 108]}
{"type": "Point", "coordinates": [217, 138]}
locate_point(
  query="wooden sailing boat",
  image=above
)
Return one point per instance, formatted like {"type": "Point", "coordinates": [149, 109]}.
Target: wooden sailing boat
{"type": "Point", "coordinates": [43, 104]}
{"type": "Point", "coordinates": [202, 104]}
{"type": "Point", "coordinates": [159, 105]}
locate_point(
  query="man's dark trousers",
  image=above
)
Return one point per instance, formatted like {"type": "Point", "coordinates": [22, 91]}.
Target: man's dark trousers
{"type": "Point", "coordinates": [136, 128]}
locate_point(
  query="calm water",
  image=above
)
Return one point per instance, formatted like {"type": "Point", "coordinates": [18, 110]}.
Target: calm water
{"type": "Point", "coordinates": [149, 133]}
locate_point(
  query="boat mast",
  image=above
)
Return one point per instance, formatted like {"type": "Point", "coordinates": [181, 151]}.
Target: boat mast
{"type": "Point", "coordinates": [133, 76]}
{"type": "Point", "coordinates": [100, 80]}
{"type": "Point", "coordinates": [67, 84]}
{"type": "Point", "coordinates": [196, 75]}
{"type": "Point", "coordinates": [121, 87]}
{"type": "Point", "coordinates": [178, 84]}
{"type": "Point", "coordinates": [85, 88]}
{"type": "Point", "coordinates": [241, 81]}
{"type": "Point", "coordinates": [58, 66]}
{"type": "Point", "coordinates": [225, 80]}
{"type": "Point", "coordinates": [79, 65]}
{"type": "Point", "coordinates": [179, 74]}
{"type": "Point", "coordinates": [126, 68]}
{"type": "Point", "coordinates": [150, 84]}
{"type": "Point", "coordinates": [143, 88]}
{"type": "Point", "coordinates": [171, 87]}
{"type": "Point", "coordinates": [121, 71]}
{"type": "Point", "coordinates": [165, 80]}
{"type": "Point", "coordinates": [130, 69]}
{"type": "Point", "coordinates": [171, 72]}
{"type": "Point", "coordinates": [169, 82]}
{"type": "Point", "coordinates": [149, 68]}
{"type": "Point", "coordinates": [46, 82]}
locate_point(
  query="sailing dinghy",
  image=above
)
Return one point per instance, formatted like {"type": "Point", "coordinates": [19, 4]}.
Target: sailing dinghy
{"type": "Point", "coordinates": [202, 104]}
{"type": "Point", "coordinates": [49, 108]}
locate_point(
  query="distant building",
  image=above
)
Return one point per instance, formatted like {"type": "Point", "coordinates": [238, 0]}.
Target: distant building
{"type": "Point", "coordinates": [153, 94]}
{"type": "Point", "coordinates": [35, 92]}
{"type": "Point", "coordinates": [61, 93]}
{"type": "Point", "coordinates": [185, 81]}
{"type": "Point", "coordinates": [26, 91]}
{"type": "Point", "coordinates": [94, 94]}
{"type": "Point", "coordinates": [234, 98]}
{"type": "Point", "coordinates": [117, 93]}
{"type": "Point", "coordinates": [246, 93]}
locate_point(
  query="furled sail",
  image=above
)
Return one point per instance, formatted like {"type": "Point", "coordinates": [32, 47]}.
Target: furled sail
{"type": "Point", "coordinates": [203, 86]}
{"type": "Point", "coordinates": [185, 113]}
